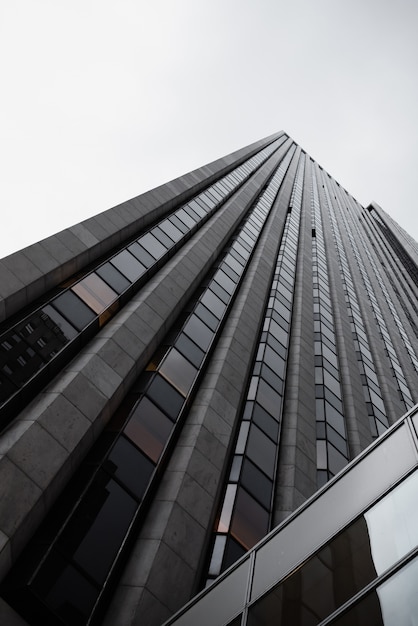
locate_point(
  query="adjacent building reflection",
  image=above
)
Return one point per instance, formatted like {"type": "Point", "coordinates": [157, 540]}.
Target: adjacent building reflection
{"type": "Point", "coordinates": [352, 560]}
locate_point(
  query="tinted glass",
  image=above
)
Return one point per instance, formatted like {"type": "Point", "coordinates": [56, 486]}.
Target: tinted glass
{"type": "Point", "coordinates": [65, 590]}
{"type": "Point", "coordinates": [149, 428]}
{"type": "Point", "coordinates": [94, 533]}
{"type": "Point", "coordinates": [141, 254]}
{"type": "Point", "coordinates": [152, 245]}
{"type": "Point", "coordinates": [174, 233]}
{"type": "Point", "coordinates": [261, 450]}
{"type": "Point", "coordinates": [249, 520]}
{"type": "Point", "coordinates": [163, 394]}
{"type": "Point", "coordinates": [187, 347]}
{"type": "Point", "coordinates": [269, 399]}
{"type": "Point", "coordinates": [128, 265]}
{"type": "Point", "coordinates": [213, 303]}
{"type": "Point", "coordinates": [70, 305]}
{"type": "Point", "coordinates": [129, 466]}
{"type": "Point", "coordinates": [199, 332]}
{"type": "Point", "coordinates": [94, 292]}
{"type": "Point", "coordinates": [206, 316]}
{"type": "Point", "coordinates": [113, 277]}
{"type": "Point", "coordinates": [162, 237]}
{"type": "Point", "coordinates": [256, 483]}
{"type": "Point", "coordinates": [264, 420]}
{"type": "Point", "coordinates": [68, 331]}
{"type": "Point", "coordinates": [179, 371]}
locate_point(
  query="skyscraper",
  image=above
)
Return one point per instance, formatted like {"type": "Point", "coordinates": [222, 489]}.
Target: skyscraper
{"type": "Point", "coordinates": [183, 371]}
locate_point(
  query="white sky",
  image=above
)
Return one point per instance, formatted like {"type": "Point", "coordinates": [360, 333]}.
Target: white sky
{"type": "Point", "coordinates": [104, 99]}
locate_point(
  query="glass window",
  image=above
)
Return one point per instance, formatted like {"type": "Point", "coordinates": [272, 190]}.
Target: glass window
{"type": "Point", "coordinates": [198, 331]}
{"type": "Point", "coordinates": [128, 265]}
{"type": "Point", "coordinates": [179, 224]}
{"type": "Point", "coordinates": [269, 399]}
{"type": "Point", "coordinates": [64, 590]}
{"type": "Point", "coordinates": [273, 360]}
{"type": "Point", "coordinates": [264, 420]}
{"type": "Point", "coordinates": [113, 277]}
{"type": "Point", "coordinates": [220, 292]}
{"type": "Point", "coordinates": [141, 254]}
{"type": "Point", "coordinates": [249, 521]}
{"type": "Point", "coordinates": [94, 292]}
{"type": "Point", "coordinates": [152, 245]}
{"type": "Point", "coordinates": [167, 398]}
{"type": "Point", "coordinates": [261, 450]}
{"type": "Point", "coordinates": [162, 237]}
{"type": "Point", "coordinates": [126, 463]}
{"type": "Point", "coordinates": [213, 303]}
{"type": "Point", "coordinates": [393, 603]}
{"type": "Point", "coordinates": [149, 428]}
{"type": "Point", "coordinates": [178, 371]}
{"type": "Point", "coordinates": [190, 350]}
{"type": "Point", "coordinates": [174, 233]}
{"type": "Point", "coordinates": [185, 218]}
{"type": "Point", "coordinates": [336, 461]}
{"type": "Point", "coordinates": [73, 309]}
{"type": "Point", "coordinates": [225, 281]}
{"type": "Point", "coordinates": [393, 524]}
{"type": "Point", "coordinates": [233, 552]}
{"type": "Point", "coordinates": [230, 272]}
{"type": "Point", "coordinates": [94, 534]}
{"type": "Point", "coordinates": [256, 483]}
{"type": "Point", "coordinates": [65, 327]}
{"type": "Point", "coordinates": [206, 316]}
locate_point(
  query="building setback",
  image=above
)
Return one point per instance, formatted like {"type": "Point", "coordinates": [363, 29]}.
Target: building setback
{"type": "Point", "coordinates": [180, 373]}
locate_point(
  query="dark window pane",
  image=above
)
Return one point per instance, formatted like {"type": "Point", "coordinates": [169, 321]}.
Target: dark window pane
{"type": "Point", "coordinates": [98, 526]}
{"type": "Point", "coordinates": [7, 388]}
{"type": "Point", "coordinates": [198, 331]}
{"type": "Point", "coordinates": [94, 292]}
{"type": "Point", "coordinates": [141, 254]}
{"type": "Point", "coordinates": [220, 292]}
{"type": "Point", "coordinates": [269, 399]}
{"type": "Point", "coordinates": [273, 360]}
{"type": "Point", "coordinates": [264, 420]}
{"type": "Point", "coordinates": [73, 309]}
{"type": "Point", "coordinates": [186, 218]}
{"type": "Point", "coordinates": [256, 483]}
{"type": "Point", "coordinates": [233, 552]}
{"type": "Point", "coordinates": [179, 224]}
{"type": "Point", "coordinates": [152, 245]}
{"type": "Point", "coordinates": [336, 461]}
{"type": "Point", "coordinates": [225, 281]}
{"type": "Point", "coordinates": [249, 521]}
{"type": "Point", "coordinates": [113, 278]}
{"type": "Point", "coordinates": [126, 463]}
{"type": "Point", "coordinates": [206, 316]}
{"type": "Point", "coordinates": [61, 325]}
{"type": "Point", "coordinates": [190, 350]}
{"type": "Point", "coordinates": [261, 450]}
{"type": "Point", "coordinates": [167, 398]}
{"type": "Point", "coordinates": [64, 590]}
{"type": "Point", "coordinates": [213, 303]}
{"type": "Point", "coordinates": [162, 237]}
{"type": "Point", "coordinates": [178, 371]}
{"type": "Point", "coordinates": [128, 265]}
{"type": "Point", "coordinates": [149, 428]}
{"type": "Point", "coordinates": [230, 273]}
{"type": "Point", "coordinates": [169, 229]}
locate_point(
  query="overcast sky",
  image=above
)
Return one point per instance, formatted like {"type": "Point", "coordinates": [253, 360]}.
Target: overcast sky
{"type": "Point", "coordinates": [104, 99]}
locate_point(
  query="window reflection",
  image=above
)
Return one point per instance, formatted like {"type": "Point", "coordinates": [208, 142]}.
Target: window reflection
{"type": "Point", "coordinates": [349, 562]}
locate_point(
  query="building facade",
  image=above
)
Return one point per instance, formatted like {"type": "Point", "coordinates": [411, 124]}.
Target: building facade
{"type": "Point", "coordinates": [180, 373]}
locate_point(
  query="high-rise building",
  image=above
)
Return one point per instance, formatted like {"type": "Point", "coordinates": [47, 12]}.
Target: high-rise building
{"type": "Point", "coordinates": [182, 372]}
